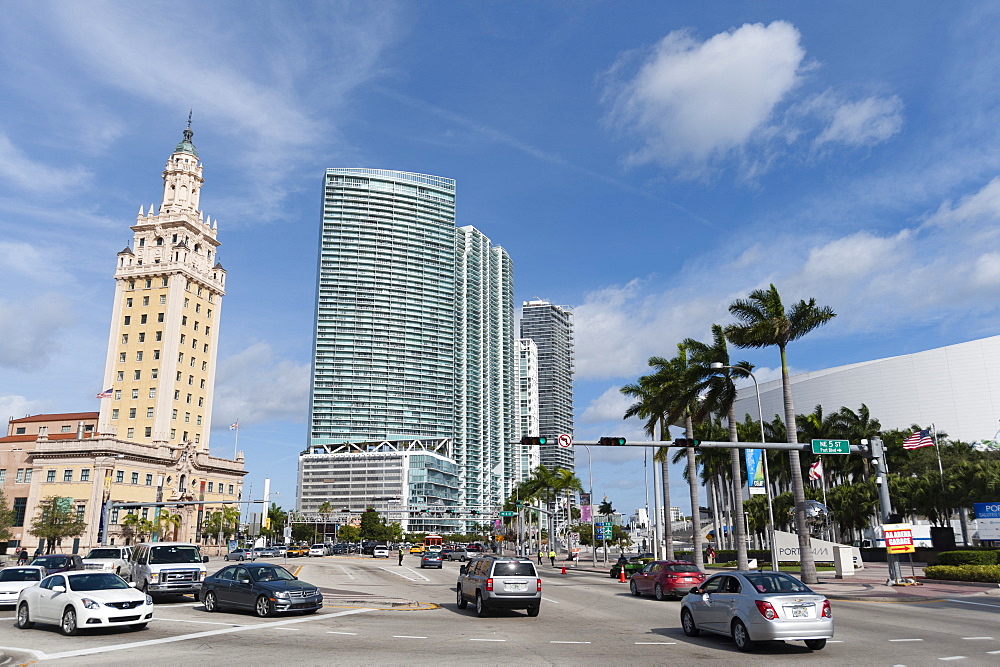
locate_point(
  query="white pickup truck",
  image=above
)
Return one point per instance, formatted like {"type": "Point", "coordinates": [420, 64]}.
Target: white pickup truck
{"type": "Point", "coordinates": [110, 558]}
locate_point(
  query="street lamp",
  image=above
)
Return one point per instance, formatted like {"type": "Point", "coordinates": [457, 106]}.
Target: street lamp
{"type": "Point", "coordinates": [593, 531]}
{"type": "Point", "coordinates": [718, 365]}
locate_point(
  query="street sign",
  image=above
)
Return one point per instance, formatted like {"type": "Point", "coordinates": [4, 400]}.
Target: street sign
{"type": "Point", "coordinates": [898, 538]}
{"type": "Point", "coordinates": [507, 513]}
{"type": "Point", "coordinates": [988, 520]}
{"type": "Point", "coordinates": [831, 446]}
{"type": "Point", "coordinates": [564, 440]}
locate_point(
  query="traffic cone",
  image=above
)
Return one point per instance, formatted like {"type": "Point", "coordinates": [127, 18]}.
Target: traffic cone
{"type": "Point", "coordinates": [621, 575]}
{"type": "Point", "coordinates": [563, 570]}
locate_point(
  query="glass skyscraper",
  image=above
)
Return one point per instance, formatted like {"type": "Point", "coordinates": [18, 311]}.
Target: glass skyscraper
{"type": "Point", "coordinates": [414, 326]}
{"type": "Point", "coordinates": [551, 327]}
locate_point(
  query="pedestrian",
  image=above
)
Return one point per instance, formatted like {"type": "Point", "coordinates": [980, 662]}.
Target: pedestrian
{"type": "Point", "coordinates": [710, 552]}
{"type": "Point", "coordinates": [552, 557]}
{"type": "Point", "coordinates": [400, 555]}
{"type": "Point", "coordinates": [539, 556]}
{"type": "Point", "coordinates": [38, 551]}
{"type": "Point", "coordinates": [22, 556]}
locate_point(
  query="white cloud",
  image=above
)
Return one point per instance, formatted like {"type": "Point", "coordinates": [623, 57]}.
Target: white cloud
{"type": "Point", "coordinates": [32, 262]}
{"type": "Point", "coordinates": [610, 405]}
{"type": "Point", "coordinates": [24, 173]}
{"type": "Point", "coordinates": [691, 100]}
{"type": "Point", "coordinates": [866, 122]}
{"type": "Point", "coordinates": [29, 330]}
{"type": "Point", "coordinates": [18, 406]}
{"type": "Point", "coordinates": [254, 387]}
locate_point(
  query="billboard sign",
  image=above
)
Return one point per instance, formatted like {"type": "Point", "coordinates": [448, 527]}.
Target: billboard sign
{"type": "Point", "coordinates": [988, 520]}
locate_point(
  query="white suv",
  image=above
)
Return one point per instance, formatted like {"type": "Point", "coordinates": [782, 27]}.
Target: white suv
{"type": "Point", "coordinates": [167, 568]}
{"type": "Point", "coordinates": [113, 558]}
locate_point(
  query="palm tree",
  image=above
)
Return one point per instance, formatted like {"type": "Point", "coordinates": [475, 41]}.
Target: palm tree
{"type": "Point", "coordinates": [652, 406]}
{"type": "Point", "coordinates": [716, 385]}
{"type": "Point", "coordinates": [140, 527]}
{"type": "Point", "coordinates": [167, 521]}
{"type": "Point", "coordinates": [764, 322]}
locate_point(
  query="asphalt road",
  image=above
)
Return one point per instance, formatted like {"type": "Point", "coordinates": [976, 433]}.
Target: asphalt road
{"type": "Point", "coordinates": [585, 618]}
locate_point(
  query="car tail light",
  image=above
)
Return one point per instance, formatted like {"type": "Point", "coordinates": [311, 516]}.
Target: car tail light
{"type": "Point", "coordinates": [489, 584]}
{"type": "Point", "coordinates": [827, 610]}
{"type": "Point", "coordinates": [538, 585]}
{"type": "Point", "coordinates": [766, 610]}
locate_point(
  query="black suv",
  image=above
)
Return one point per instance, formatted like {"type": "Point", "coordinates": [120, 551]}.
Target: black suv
{"type": "Point", "coordinates": [500, 582]}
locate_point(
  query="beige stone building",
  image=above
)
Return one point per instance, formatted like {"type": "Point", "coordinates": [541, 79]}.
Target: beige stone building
{"type": "Point", "coordinates": [150, 441]}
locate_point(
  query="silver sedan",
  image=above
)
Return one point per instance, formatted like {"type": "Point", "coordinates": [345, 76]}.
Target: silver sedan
{"type": "Point", "coordinates": [755, 606]}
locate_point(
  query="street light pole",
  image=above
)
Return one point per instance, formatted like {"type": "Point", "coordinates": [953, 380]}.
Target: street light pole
{"type": "Point", "coordinates": [763, 456]}
{"type": "Point", "coordinates": [593, 531]}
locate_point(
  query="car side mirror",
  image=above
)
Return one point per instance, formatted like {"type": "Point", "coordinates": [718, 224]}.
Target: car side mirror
{"type": "Point", "coordinates": [695, 591]}
{"type": "Point", "coordinates": [204, 559]}
{"type": "Point", "coordinates": [131, 584]}
{"type": "Point", "coordinates": [58, 589]}
{"type": "Point", "coordinates": [244, 581]}
{"type": "Point", "coordinates": [464, 569]}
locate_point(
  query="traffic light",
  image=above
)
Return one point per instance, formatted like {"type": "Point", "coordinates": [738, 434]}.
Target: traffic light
{"type": "Point", "coordinates": [267, 523]}
{"type": "Point", "coordinates": [687, 442]}
{"type": "Point", "coordinates": [519, 504]}
{"type": "Point", "coordinates": [607, 442]}
{"type": "Point", "coordinates": [532, 440]}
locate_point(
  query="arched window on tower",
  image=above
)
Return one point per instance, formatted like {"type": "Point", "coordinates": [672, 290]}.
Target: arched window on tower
{"type": "Point", "coordinates": [159, 240]}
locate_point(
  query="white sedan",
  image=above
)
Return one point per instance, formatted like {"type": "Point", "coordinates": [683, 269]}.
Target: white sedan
{"type": "Point", "coordinates": [83, 599]}
{"type": "Point", "coordinates": [14, 579]}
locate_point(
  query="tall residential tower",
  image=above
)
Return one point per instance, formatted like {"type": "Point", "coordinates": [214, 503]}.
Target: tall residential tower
{"type": "Point", "coordinates": [551, 327]}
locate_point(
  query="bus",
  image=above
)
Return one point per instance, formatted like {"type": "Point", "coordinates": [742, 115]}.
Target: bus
{"type": "Point", "coordinates": [433, 543]}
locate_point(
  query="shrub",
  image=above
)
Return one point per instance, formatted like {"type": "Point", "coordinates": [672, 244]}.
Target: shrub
{"type": "Point", "coordinates": [983, 557]}
{"type": "Point", "coordinates": [986, 573]}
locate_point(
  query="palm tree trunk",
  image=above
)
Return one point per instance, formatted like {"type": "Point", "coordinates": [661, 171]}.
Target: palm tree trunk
{"type": "Point", "coordinates": [698, 556]}
{"type": "Point", "coordinates": [668, 526]}
{"type": "Point", "coordinates": [808, 572]}
{"type": "Point", "coordinates": [742, 563]}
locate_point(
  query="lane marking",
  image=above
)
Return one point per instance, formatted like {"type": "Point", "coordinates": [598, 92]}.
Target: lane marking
{"type": "Point", "coordinates": [188, 620]}
{"type": "Point", "coordinates": [993, 653]}
{"type": "Point", "coordinates": [473, 639]}
{"type": "Point", "coordinates": [346, 571]}
{"type": "Point", "coordinates": [194, 635]}
{"type": "Point", "coordinates": [953, 657]}
{"type": "Point", "coordinates": [655, 643]}
{"type": "Point", "coordinates": [552, 601]}
{"type": "Point", "coordinates": [38, 654]}
{"type": "Point", "coordinates": [290, 629]}
{"type": "Point", "coordinates": [334, 632]}
{"type": "Point", "coordinates": [906, 640]}
{"type": "Point", "coordinates": [978, 604]}
{"type": "Point", "coordinates": [834, 641]}
{"type": "Point", "coordinates": [407, 637]}
{"type": "Point", "coordinates": [557, 642]}
{"type": "Point", "coordinates": [977, 637]}
{"type": "Point", "coordinates": [404, 575]}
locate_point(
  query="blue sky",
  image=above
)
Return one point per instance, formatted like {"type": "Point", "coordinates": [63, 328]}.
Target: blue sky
{"type": "Point", "coordinates": [643, 162]}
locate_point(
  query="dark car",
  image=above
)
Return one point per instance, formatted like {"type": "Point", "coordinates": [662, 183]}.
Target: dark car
{"type": "Point", "coordinates": [634, 564]}
{"type": "Point", "coordinates": [431, 559]}
{"type": "Point", "coordinates": [265, 588]}
{"type": "Point", "coordinates": [663, 578]}
{"type": "Point", "coordinates": [59, 562]}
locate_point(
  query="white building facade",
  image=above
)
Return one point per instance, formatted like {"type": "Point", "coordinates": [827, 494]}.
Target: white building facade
{"type": "Point", "coordinates": [956, 388]}
{"type": "Point", "coordinates": [526, 407]}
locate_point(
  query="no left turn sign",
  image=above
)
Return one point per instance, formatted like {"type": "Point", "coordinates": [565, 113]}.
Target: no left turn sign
{"type": "Point", "coordinates": [564, 440]}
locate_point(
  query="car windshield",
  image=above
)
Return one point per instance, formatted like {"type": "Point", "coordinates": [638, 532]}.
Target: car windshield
{"type": "Point", "coordinates": [51, 562]}
{"type": "Point", "coordinates": [175, 554]}
{"type": "Point", "coordinates": [104, 553]}
{"type": "Point", "coordinates": [519, 568]}
{"type": "Point", "coordinates": [20, 574]}
{"type": "Point", "coordinates": [776, 582]}
{"type": "Point", "coordinates": [98, 581]}
{"type": "Point", "coordinates": [319, 546]}
{"type": "Point", "coordinates": [272, 574]}
{"type": "Point", "coordinates": [682, 568]}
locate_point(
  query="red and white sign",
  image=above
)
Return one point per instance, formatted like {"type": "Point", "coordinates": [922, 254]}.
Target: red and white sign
{"type": "Point", "coordinates": [564, 440]}
{"type": "Point", "coordinates": [898, 538]}
{"type": "Point", "coordinates": [816, 470]}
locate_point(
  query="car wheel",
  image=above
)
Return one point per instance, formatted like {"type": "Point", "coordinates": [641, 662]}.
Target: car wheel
{"type": "Point", "coordinates": [225, 557]}
{"type": "Point", "coordinates": [138, 626]}
{"type": "Point", "coordinates": [23, 619]}
{"type": "Point", "coordinates": [634, 588]}
{"type": "Point", "coordinates": [815, 644]}
{"type": "Point", "coordinates": [263, 606]}
{"type": "Point", "coordinates": [741, 636]}
{"type": "Point", "coordinates": [658, 593]}
{"type": "Point", "coordinates": [68, 625]}
{"type": "Point", "coordinates": [533, 611]}
{"type": "Point", "coordinates": [480, 605]}
{"type": "Point", "coordinates": [462, 602]}
{"type": "Point", "coordinates": [211, 602]}
{"type": "Point", "coordinates": [687, 622]}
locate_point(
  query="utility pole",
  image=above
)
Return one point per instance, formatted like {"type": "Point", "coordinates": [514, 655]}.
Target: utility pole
{"type": "Point", "coordinates": [884, 502]}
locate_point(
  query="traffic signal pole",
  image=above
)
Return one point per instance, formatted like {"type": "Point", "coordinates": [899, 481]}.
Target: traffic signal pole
{"type": "Point", "coordinates": [885, 505]}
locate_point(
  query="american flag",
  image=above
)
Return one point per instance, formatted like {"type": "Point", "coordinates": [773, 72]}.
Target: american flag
{"type": "Point", "coordinates": [105, 394]}
{"type": "Point", "coordinates": [235, 425]}
{"type": "Point", "coordinates": [918, 439]}
{"type": "Point", "coordinates": [816, 470]}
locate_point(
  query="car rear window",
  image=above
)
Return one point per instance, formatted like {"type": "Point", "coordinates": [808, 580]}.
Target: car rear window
{"type": "Point", "coordinates": [521, 568]}
{"type": "Point", "coordinates": [681, 568]}
{"type": "Point", "coordinates": [776, 583]}
{"type": "Point", "coordinates": [20, 574]}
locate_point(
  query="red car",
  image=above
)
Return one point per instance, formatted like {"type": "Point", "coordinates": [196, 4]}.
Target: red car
{"type": "Point", "coordinates": [665, 578]}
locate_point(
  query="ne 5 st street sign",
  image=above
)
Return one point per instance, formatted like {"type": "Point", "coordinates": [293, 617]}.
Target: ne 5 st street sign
{"type": "Point", "coordinates": [831, 446]}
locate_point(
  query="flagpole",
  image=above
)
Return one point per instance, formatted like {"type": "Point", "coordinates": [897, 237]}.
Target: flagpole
{"type": "Point", "coordinates": [937, 450]}
{"type": "Point", "coordinates": [236, 447]}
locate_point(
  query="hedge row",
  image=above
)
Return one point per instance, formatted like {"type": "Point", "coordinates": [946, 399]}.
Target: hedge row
{"type": "Point", "coordinates": [983, 557]}
{"type": "Point", "coordinates": [986, 573]}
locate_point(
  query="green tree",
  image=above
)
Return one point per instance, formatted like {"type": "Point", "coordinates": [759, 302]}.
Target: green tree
{"type": "Point", "coordinates": [134, 525]}
{"type": "Point", "coordinates": [167, 523]}
{"type": "Point", "coordinates": [764, 322]}
{"type": "Point", "coordinates": [349, 533]}
{"type": "Point", "coordinates": [278, 518]}
{"type": "Point", "coordinates": [325, 507]}
{"type": "Point", "coordinates": [373, 526]}
{"type": "Point", "coordinates": [6, 519]}
{"type": "Point", "coordinates": [56, 519]}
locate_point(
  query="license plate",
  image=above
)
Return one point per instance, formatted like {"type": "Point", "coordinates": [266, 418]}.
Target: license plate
{"type": "Point", "coordinates": [517, 587]}
{"type": "Point", "coordinates": [798, 612]}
